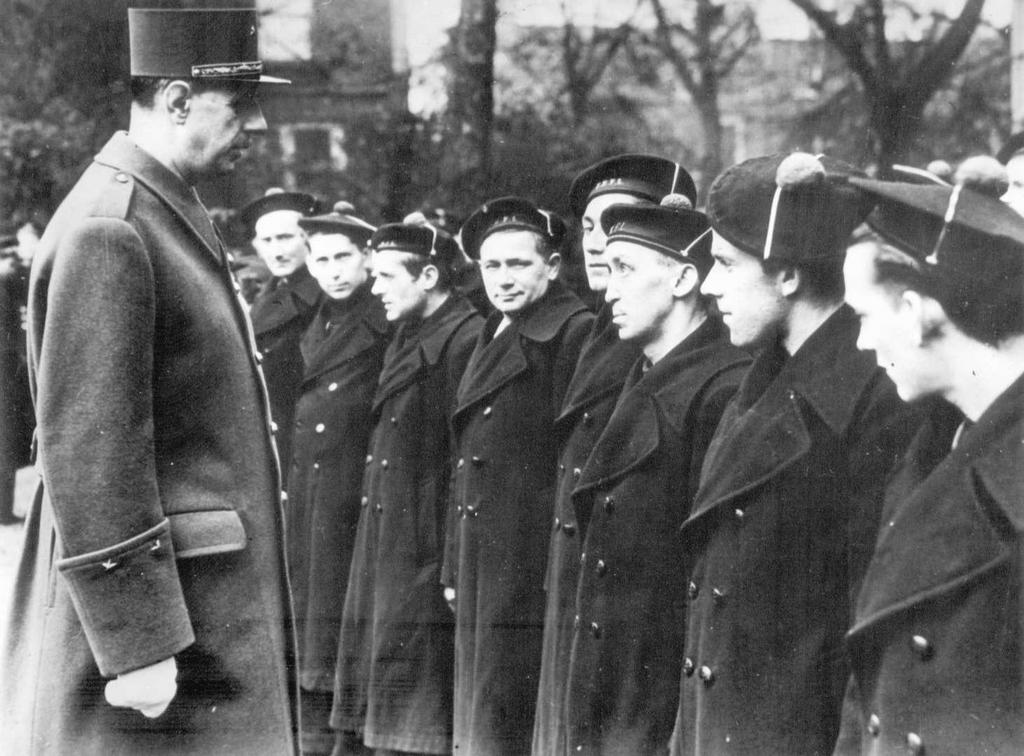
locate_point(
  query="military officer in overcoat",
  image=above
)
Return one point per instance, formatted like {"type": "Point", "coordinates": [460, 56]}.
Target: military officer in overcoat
{"type": "Point", "coordinates": [937, 642]}
{"type": "Point", "coordinates": [596, 382]}
{"type": "Point", "coordinates": [284, 308]}
{"type": "Point", "coordinates": [640, 479]}
{"type": "Point", "coordinates": [791, 486]}
{"type": "Point", "coordinates": [505, 471]}
{"type": "Point", "coordinates": [343, 350]}
{"type": "Point", "coordinates": [395, 660]}
{"type": "Point", "coordinates": [151, 610]}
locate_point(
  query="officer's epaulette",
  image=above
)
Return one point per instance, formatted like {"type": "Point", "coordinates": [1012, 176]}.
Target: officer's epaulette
{"type": "Point", "coordinates": [115, 197]}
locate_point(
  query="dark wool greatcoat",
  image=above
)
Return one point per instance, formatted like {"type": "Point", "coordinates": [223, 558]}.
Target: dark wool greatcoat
{"type": "Point", "coordinates": [638, 484]}
{"type": "Point", "coordinates": [503, 496]}
{"type": "Point", "coordinates": [596, 383]}
{"type": "Point", "coordinates": [280, 314]}
{"type": "Point", "coordinates": [937, 645]}
{"type": "Point", "coordinates": [332, 429]}
{"type": "Point", "coordinates": [16, 416]}
{"type": "Point", "coordinates": [789, 501]}
{"type": "Point", "coordinates": [158, 529]}
{"type": "Point", "coordinates": [395, 660]}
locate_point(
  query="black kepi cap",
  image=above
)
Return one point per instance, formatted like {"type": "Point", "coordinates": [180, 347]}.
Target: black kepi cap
{"type": "Point", "coordinates": [645, 176]}
{"type": "Point", "coordinates": [206, 44]}
{"type": "Point", "coordinates": [510, 214]}
{"type": "Point", "coordinates": [796, 207]}
{"type": "Point", "coordinates": [423, 239]}
{"type": "Point", "coordinates": [341, 220]}
{"type": "Point", "coordinates": [676, 231]}
{"type": "Point", "coordinates": [276, 199]}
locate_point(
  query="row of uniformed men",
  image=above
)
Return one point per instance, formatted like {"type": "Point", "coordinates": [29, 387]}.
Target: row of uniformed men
{"type": "Point", "coordinates": [652, 541]}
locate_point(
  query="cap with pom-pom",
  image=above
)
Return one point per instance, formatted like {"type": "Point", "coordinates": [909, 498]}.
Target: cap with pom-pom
{"type": "Point", "coordinates": [510, 214]}
{"type": "Point", "coordinates": [984, 174]}
{"type": "Point", "coordinates": [795, 207]}
{"type": "Point", "coordinates": [671, 228]}
{"type": "Point", "coordinates": [275, 199]}
{"type": "Point", "coordinates": [645, 176]}
{"type": "Point", "coordinates": [341, 220]}
{"type": "Point", "coordinates": [418, 237]}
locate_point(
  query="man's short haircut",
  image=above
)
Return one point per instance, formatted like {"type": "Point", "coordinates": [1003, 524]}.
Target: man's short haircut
{"type": "Point", "coordinates": [416, 263]}
{"type": "Point", "coordinates": [144, 89]}
{"type": "Point", "coordinates": [821, 279]}
{"type": "Point", "coordinates": [986, 313]}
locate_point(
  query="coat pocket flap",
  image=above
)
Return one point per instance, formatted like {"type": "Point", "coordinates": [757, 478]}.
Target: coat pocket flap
{"type": "Point", "coordinates": [206, 532]}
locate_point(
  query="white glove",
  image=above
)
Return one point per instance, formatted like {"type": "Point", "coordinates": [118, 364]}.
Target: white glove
{"type": "Point", "coordinates": [148, 690]}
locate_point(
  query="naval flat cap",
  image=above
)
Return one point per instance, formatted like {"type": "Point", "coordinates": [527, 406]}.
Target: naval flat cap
{"type": "Point", "coordinates": [677, 232]}
{"type": "Point", "coordinates": [276, 199]}
{"type": "Point", "coordinates": [645, 176]}
{"type": "Point", "coordinates": [510, 214]}
{"type": "Point", "coordinates": [341, 220]}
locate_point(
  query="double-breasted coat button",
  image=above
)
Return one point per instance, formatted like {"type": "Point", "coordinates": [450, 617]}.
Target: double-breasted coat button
{"type": "Point", "coordinates": [460, 463]}
{"type": "Point", "coordinates": [273, 427]}
{"type": "Point", "coordinates": [718, 596]}
{"type": "Point", "coordinates": [739, 514]}
{"type": "Point", "coordinates": [576, 473]}
{"type": "Point", "coordinates": [707, 675]}
{"type": "Point", "coordinates": [284, 497]}
{"type": "Point", "coordinates": [576, 622]}
{"type": "Point", "coordinates": [922, 647]}
{"type": "Point", "coordinates": [369, 458]}
{"type": "Point", "coordinates": [692, 591]}
{"type": "Point", "coordinates": [471, 509]}
{"type": "Point", "coordinates": [379, 507]}
{"type": "Point", "coordinates": [609, 504]}
{"type": "Point", "coordinates": [561, 468]}
{"type": "Point", "coordinates": [394, 421]}
{"type": "Point", "coordinates": [874, 725]}
{"type": "Point", "coordinates": [316, 465]}
{"type": "Point", "coordinates": [569, 529]}
{"type": "Point", "coordinates": [364, 501]}
{"type": "Point", "coordinates": [259, 357]}
{"type": "Point", "coordinates": [476, 461]}
{"type": "Point", "coordinates": [583, 558]}
{"type": "Point", "coordinates": [595, 630]}
{"type": "Point", "coordinates": [488, 411]}
{"type": "Point", "coordinates": [383, 464]}
{"type": "Point", "coordinates": [320, 428]}
{"type": "Point", "coordinates": [587, 418]}
{"type": "Point", "coordinates": [602, 568]}
{"type": "Point", "coordinates": [914, 743]}
{"type": "Point", "coordinates": [688, 666]}
{"type": "Point", "coordinates": [332, 387]}
{"type": "Point", "coordinates": [558, 523]}
{"type": "Point", "coordinates": [121, 177]}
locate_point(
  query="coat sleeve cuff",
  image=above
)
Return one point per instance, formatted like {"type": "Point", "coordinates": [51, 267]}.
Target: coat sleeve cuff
{"type": "Point", "coordinates": [129, 601]}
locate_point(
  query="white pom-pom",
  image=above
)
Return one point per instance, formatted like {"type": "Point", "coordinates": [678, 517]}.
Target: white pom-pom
{"type": "Point", "coordinates": [344, 208]}
{"type": "Point", "coordinates": [940, 168]}
{"type": "Point", "coordinates": [272, 191]}
{"type": "Point", "coordinates": [983, 174]}
{"type": "Point", "coordinates": [676, 202]}
{"type": "Point", "coordinates": [799, 168]}
{"type": "Point", "coordinates": [415, 219]}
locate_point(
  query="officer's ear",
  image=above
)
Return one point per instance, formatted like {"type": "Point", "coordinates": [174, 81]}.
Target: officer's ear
{"type": "Point", "coordinates": [176, 99]}
{"type": "Point", "coordinates": [554, 264]}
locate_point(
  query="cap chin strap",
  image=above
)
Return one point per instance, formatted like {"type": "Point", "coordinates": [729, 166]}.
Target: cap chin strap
{"type": "Point", "coordinates": [954, 198]}
{"type": "Point", "coordinates": [771, 221]}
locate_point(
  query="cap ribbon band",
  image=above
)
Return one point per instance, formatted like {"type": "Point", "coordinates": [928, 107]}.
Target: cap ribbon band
{"type": "Point", "coordinates": [683, 255]}
{"type": "Point", "coordinates": [675, 178]}
{"type": "Point", "coordinates": [433, 240]}
{"type": "Point", "coordinates": [547, 217]}
{"type": "Point", "coordinates": [218, 70]}
{"type": "Point", "coordinates": [771, 221]}
{"type": "Point", "coordinates": [954, 198]}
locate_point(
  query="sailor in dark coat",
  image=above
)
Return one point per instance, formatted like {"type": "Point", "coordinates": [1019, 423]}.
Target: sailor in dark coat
{"type": "Point", "coordinates": [639, 481]}
{"type": "Point", "coordinates": [596, 383]}
{"type": "Point", "coordinates": [937, 643]}
{"type": "Point", "coordinates": [505, 472]}
{"type": "Point", "coordinates": [343, 351]}
{"type": "Point", "coordinates": [153, 572]}
{"type": "Point", "coordinates": [791, 486]}
{"type": "Point", "coordinates": [285, 306]}
{"type": "Point", "coordinates": [395, 660]}
{"type": "Point", "coordinates": [16, 416]}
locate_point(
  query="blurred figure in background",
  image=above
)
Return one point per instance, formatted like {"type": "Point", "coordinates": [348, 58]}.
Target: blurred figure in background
{"type": "Point", "coordinates": [285, 306]}
{"type": "Point", "coordinates": [17, 419]}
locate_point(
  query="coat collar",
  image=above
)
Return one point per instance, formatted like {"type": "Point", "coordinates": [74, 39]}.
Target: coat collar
{"type": "Point", "coordinates": [765, 430]}
{"type": "Point", "coordinates": [288, 300]}
{"type": "Point", "coordinates": [497, 361]}
{"type": "Point", "coordinates": [363, 328]}
{"type": "Point", "coordinates": [602, 367]}
{"type": "Point", "coordinates": [408, 354]}
{"type": "Point", "coordinates": [122, 154]}
{"type": "Point", "coordinates": [659, 403]}
{"type": "Point", "coordinates": [949, 523]}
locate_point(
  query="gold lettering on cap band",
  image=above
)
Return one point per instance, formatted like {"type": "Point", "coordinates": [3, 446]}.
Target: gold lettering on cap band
{"type": "Point", "coordinates": [214, 70]}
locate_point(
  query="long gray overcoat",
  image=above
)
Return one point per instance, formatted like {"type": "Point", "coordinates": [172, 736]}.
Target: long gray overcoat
{"type": "Point", "coordinates": [503, 501]}
{"type": "Point", "coordinates": [396, 655]}
{"type": "Point", "coordinates": [638, 484]}
{"type": "Point", "coordinates": [596, 383]}
{"type": "Point", "coordinates": [333, 421]}
{"type": "Point", "coordinates": [788, 505]}
{"type": "Point", "coordinates": [280, 315]}
{"type": "Point", "coordinates": [158, 527]}
{"type": "Point", "coordinates": [937, 644]}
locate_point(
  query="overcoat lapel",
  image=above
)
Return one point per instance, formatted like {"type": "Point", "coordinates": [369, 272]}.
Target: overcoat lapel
{"type": "Point", "coordinates": [122, 154]}
{"type": "Point", "coordinates": [279, 306]}
{"type": "Point", "coordinates": [359, 331]}
{"type": "Point", "coordinates": [759, 437]}
{"type": "Point", "coordinates": [407, 357]}
{"type": "Point", "coordinates": [956, 525]}
{"type": "Point", "coordinates": [495, 364]}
